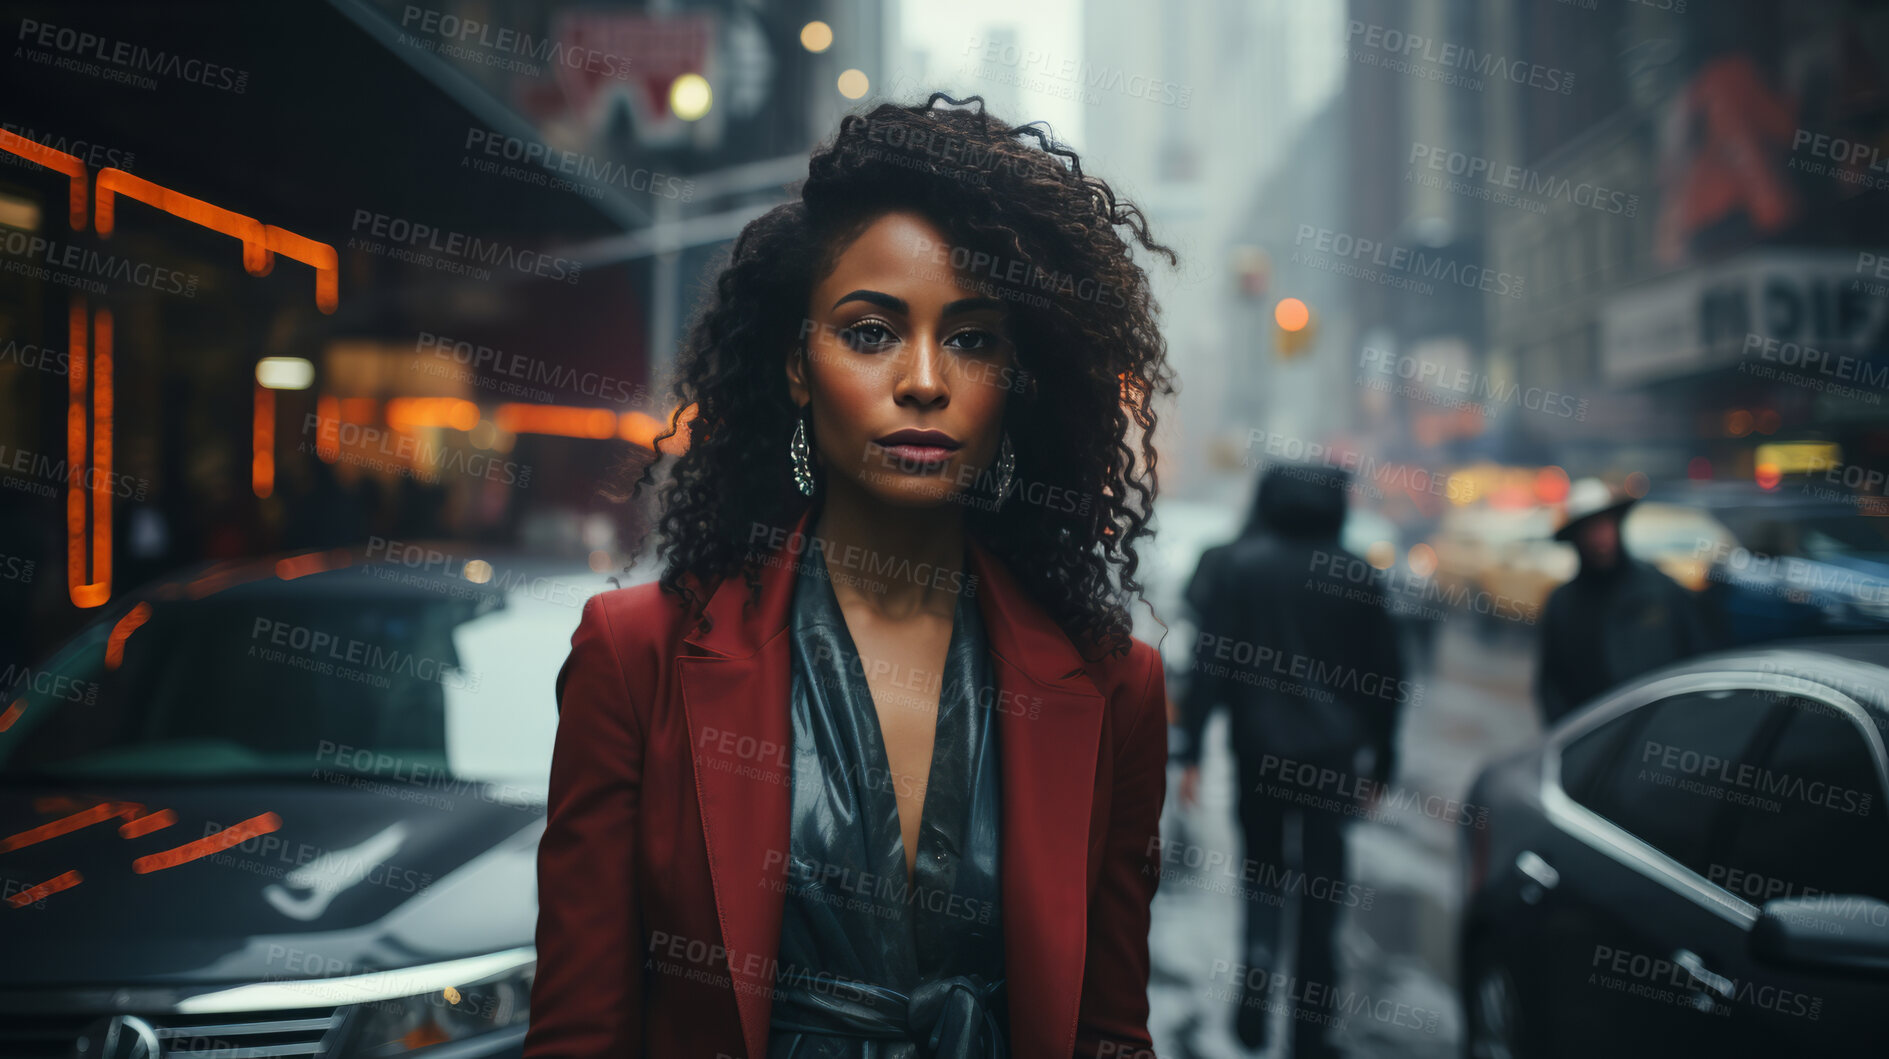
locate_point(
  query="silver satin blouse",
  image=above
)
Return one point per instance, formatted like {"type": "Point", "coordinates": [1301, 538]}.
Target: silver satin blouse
{"type": "Point", "coordinates": [871, 966]}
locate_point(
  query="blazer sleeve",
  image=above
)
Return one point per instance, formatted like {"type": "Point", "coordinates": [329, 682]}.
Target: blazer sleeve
{"type": "Point", "coordinates": [1113, 1017]}
{"type": "Point", "coordinates": [587, 998]}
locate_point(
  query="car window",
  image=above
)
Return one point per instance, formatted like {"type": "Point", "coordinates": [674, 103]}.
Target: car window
{"type": "Point", "coordinates": [1676, 761]}
{"type": "Point", "coordinates": [414, 685]}
{"type": "Point", "coordinates": [1816, 824]}
{"type": "Point", "coordinates": [1590, 754]}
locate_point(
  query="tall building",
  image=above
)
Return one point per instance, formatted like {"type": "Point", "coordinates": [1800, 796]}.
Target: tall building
{"type": "Point", "coordinates": [1243, 84]}
{"type": "Point", "coordinates": [1711, 210]}
{"type": "Point", "coordinates": [1420, 308]}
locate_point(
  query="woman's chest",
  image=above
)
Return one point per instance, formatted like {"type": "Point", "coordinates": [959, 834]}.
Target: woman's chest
{"type": "Point", "coordinates": [903, 666]}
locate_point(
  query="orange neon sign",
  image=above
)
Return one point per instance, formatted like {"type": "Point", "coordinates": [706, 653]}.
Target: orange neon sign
{"type": "Point", "coordinates": [62, 881]}
{"type": "Point", "coordinates": [84, 818]}
{"type": "Point", "coordinates": [138, 823]}
{"type": "Point", "coordinates": [115, 644]}
{"type": "Point", "coordinates": [562, 420]}
{"type": "Point", "coordinates": [55, 160]}
{"type": "Point", "coordinates": [96, 372]}
{"type": "Point", "coordinates": [261, 242]}
{"type": "Point", "coordinates": [262, 444]}
{"type": "Point", "coordinates": [149, 822]}
{"type": "Point", "coordinates": [235, 834]}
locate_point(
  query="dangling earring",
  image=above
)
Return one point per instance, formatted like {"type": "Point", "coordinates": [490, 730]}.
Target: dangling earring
{"type": "Point", "coordinates": [1006, 469]}
{"type": "Point", "coordinates": [801, 459]}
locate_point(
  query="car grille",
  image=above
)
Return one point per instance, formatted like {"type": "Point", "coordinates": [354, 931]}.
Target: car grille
{"type": "Point", "coordinates": [243, 1035]}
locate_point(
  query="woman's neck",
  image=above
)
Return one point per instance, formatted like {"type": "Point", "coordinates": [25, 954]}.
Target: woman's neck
{"type": "Point", "coordinates": [897, 561]}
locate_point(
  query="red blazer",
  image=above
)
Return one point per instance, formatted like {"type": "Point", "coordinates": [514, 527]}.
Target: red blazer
{"type": "Point", "coordinates": [662, 870]}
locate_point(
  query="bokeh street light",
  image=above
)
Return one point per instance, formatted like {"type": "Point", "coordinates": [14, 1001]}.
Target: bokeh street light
{"type": "Point", "coordinates": [816, 36]}
{"type": "Point", "coordinates": [690, 97]}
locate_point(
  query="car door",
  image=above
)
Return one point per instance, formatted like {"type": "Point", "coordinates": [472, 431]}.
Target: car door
{"type": "Point", "coordinates": [1629, 926]}
{"type": "Point", "coordinates": [1815, 827]}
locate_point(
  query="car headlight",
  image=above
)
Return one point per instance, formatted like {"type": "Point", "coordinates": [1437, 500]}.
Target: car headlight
{"type": "Point", "coordinates": [398, 1011]}
{"type": "Point", "coordinates": [400, 1025]}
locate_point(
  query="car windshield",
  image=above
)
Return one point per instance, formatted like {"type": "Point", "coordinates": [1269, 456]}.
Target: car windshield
{"type": "Point", "coordinates": [297, 687]}
{"type": "Point", "coordinates": [1834, 536]}
{"type": "Point", "coordinates": [1821, 535]}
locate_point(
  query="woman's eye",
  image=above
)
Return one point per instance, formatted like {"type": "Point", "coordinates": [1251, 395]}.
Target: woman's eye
{"type": "Point", "coordinates": [973, 340]}
{"type": "Point", "coordinates": [866, 334]}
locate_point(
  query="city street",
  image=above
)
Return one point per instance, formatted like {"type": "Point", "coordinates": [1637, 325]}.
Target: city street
{"type": "Point", "coordinates": [611, 529]}
{"type": "Point", "coordinates": [1402, 949]}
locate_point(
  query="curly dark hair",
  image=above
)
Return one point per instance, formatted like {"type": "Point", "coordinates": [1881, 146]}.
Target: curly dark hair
{"type": "Point", "coordinates": [1085, 338]}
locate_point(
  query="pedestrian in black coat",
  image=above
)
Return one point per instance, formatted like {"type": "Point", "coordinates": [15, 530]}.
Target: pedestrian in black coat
{"type": "Point", "coordinates": [1296, 640]}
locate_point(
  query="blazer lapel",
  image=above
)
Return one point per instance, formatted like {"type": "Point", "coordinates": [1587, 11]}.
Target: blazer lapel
{"type": "Point", "coordinates": [1049, 729]}
{"type": "Point", "coordinates": [744, 802]}
{"type": "Point", "coordinates": [739, 688]}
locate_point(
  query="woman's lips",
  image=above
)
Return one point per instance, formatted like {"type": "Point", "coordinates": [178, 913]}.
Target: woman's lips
{"type": "Point", "coordinates": [919, 448]}
{"type": "Point", "coordinates": [924, 455]}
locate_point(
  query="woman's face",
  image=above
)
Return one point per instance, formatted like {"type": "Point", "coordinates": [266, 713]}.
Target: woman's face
{"type": "Point", "coordinates": [908, 366]}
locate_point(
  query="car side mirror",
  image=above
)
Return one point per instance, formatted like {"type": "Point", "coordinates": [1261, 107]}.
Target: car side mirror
{"type": "Point", "coordinates": [1830, 932]}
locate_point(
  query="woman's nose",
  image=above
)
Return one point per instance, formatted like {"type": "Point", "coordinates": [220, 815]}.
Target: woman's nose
{"type": "Point", "coordinates": [921, 378]}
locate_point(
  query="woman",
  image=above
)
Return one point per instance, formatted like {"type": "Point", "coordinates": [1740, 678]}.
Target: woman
{"type": "Point", "coordinates": [875, 769]}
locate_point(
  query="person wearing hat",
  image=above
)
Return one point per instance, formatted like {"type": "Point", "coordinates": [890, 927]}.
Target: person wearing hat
{"type": "Point", "coordinates": [1619, 617]}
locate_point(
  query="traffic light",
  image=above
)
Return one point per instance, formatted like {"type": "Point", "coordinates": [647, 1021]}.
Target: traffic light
{"type": "Point", "coordinates": [1253, 268]}
{"type": "Point", "coordinates": [1295, 328]}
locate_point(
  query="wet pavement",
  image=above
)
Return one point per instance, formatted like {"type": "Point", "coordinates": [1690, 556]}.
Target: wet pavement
{"type": "Point", "coordinates": [1396, 994]}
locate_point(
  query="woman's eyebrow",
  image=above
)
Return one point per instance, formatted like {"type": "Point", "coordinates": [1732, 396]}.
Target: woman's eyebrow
{"type": "Point", "coordinates": [971, 305]}
{"type": "Point", "coordinates": [884, 301]}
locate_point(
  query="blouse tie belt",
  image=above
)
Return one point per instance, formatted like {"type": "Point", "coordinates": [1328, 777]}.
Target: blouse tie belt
{"type": "Point", "coordinates": [948, 1018]}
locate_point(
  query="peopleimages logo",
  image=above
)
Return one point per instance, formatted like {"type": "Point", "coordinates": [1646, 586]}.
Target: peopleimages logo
{"type": "Point", "coordinates": [878, 565]}
{"type": "Point", "coordinates": [304, 865]}
{"type": "Point", "coordinates": [1711, 769]}
{"type": "Point", "coordinates": [74, 266]}
{"type": "Point", "coordinates": [1243, 656]}
{"type": "Point", "coordinates": [1758, 889]}
{"type": "Point", "coordinates": [584, 170]}
{"type": "Point", "coordinates": [16, 680]}
{"type": "Point", "coordinates": [1481, 171]}
{"type": "Point", "coordinates": [96, 155]}
{"type": "Point", "coordinates": [1756, 571]}
{"type": "Point", "coordinates": [1018, 273]}
{"type": "Point", "coordinates": [1314, 1003]}
{"type": "Point", "coordinates": [841, 884]}
{"type": "Point", "coordinates": [1268, 880]}
{"type": "Point", "coordinates": [462, 32]}
{"type": "Point", "coordinates": [414, 237]}
{"type": "Point", "coordinates": [1642, 975]}
{"type": "Point", "coordinates": [1477, 387]}
{"type": "Point", "coordinates": [945, 149]}
{"type": "Point", "coordinates": [319, 650]}
{"type": "Point", "coordinates": [1401, 590]}
{"type": "Point", "coordinates": [1306, 457]}
{"type": "Point", "coordinates": [1391, 260]}
{"type": "Point", "coordinates": [129, 60]}
{"type": "Point", "coordinates": [41, 474]}
{"type": "Point", "coordinates": [1396, 42]}
{"type": "Point", "coordinates": [35, 357]}
{"type": "Point", "coordinates": [1081, 77]}
{"type": "Point", "coordinates": [1837, 366]}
